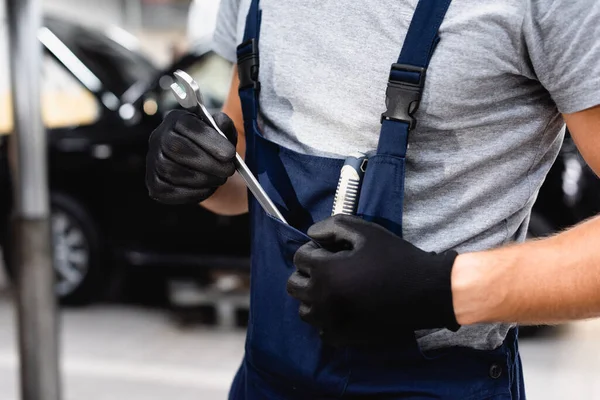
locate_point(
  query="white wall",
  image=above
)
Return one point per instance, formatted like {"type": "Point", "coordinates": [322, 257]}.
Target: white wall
{"type": "Point", "coordinates": [95, 12]}
{"type": "Point", "coordinates": [86, 11]}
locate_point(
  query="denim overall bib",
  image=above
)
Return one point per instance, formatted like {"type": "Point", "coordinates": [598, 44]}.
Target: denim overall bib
{"type": "Point", "coordinates": [285, 357]}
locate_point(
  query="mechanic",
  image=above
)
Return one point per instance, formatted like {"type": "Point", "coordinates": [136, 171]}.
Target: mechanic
{"type": "Point", "coordinates": [361, 306]}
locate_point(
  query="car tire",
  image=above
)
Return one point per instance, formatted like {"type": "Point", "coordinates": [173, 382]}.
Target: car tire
{"type": "Point", "coordinates": [77, 251]}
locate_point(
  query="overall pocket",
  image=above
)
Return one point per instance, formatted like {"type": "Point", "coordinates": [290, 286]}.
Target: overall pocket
{"type": "Point", "coordinates": [280, 345]}
{"type": "Point", "coordinates": [382, 192]}
{"type": "Point", "coordinates": [456, 373]}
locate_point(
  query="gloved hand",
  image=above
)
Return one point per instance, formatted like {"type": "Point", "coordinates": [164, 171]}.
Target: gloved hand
{"type": "Point", "coordinates": [362, 284]}
{"type": "Point", "coordinates": [187, 159]}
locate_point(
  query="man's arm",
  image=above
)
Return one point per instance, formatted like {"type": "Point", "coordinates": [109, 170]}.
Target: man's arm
{"type": "Point", "coordinates": [541, 281]}
{"type": "Point", "coordinates": [232, 197]}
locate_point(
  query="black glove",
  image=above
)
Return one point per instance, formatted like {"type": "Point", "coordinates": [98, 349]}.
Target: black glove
{"type": "Point", "coordinates": [187, 159]}
{"type": "Point", "coordinates": [363, 284]}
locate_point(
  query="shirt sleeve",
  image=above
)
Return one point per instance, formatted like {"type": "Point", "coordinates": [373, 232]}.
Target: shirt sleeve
{"type": "Point", "coordinates": [225, 35]}
{"type": "Point", "coordinates": [562, 38]}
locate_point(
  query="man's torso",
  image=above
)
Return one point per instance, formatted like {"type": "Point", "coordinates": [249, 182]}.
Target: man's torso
{"type": "Point", "coordinates": [487, 130]}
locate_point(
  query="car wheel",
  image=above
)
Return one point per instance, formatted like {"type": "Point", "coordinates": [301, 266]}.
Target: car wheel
{"type": "Point", "coordinates": [77, 255]}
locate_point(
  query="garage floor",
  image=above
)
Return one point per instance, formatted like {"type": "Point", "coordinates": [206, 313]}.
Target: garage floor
{"type": "Point", "coordinates": [114, 353]}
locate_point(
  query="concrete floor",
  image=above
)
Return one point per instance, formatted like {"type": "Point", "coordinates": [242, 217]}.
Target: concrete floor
{"type": "Point", "coordinates": [117, 352]}
{"type": "Point", "coordinates": [114, 353]}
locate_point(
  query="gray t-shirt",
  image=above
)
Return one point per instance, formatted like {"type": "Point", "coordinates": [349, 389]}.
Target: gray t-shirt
{"type": "Point", "coordinates": [489, 125]}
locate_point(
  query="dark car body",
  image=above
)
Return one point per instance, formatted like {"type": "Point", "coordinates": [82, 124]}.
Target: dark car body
{"type": "Point", "coordinates": [571, 192]}
{"type": "Point", "coordinates": [100, 167]}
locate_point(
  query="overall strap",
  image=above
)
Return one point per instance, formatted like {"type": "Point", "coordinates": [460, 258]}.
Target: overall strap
{"type": "Point", "coordinates": [382, 194]}
{"type": "Point", "coordinates": [248, 63]}
{"type": "Point", "coordinates": [407, 77]}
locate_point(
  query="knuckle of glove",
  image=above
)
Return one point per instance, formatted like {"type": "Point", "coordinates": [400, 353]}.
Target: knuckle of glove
{"type": "Point", "coordinates": [300, 286]}
{"type": "Point", "coordinates": [153, 185]}
{"type": "Point", "coordinates": [163, 168]}
{"type": "Point", "coordinates": [175, 146]}
{"type": "Point", "coordinates": [168, 194]}
{"type": "Point", "coordinates": [229, 169]}
{"type": "Point", "coordinates": [207, 165]}
{"type": "Point", "coordinates": [227, 153]}
{"type": "Point", "coordinates": [158, 189]}
{"type": "Point", "coordinates": [227, 126]}
{"type": "Point", "coordinates": [186, 121]}
{"type": "Point", "coordinates": [182, 153]}
{"type": "Point", "coordinates": [306, 314]}
{"type": "Point", "coordinates": [220, 148]}
{"type": "Point", "coordinates": [181, 175]}
{"type": "Point", "coordinates": [170, 121]}
{"type": "Point", "coordinates": [204, 136]}
{"type": "Point", "coordinates": [303, 256]}
{"type": "Point", "coordinates": [294, 284]}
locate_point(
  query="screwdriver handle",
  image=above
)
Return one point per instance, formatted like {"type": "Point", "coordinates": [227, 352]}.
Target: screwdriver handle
{"type": "Point", "coordinates": [349, 185]}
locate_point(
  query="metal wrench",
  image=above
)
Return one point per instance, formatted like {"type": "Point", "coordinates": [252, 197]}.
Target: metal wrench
{"type": "Point", "coordinates": [188, 95]}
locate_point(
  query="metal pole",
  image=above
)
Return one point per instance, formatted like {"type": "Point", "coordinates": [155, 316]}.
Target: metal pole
{"type": "Point", "coordinates": [38, 329]}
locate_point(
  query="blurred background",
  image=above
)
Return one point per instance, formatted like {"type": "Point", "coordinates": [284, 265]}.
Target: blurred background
{"type": "Point", "coordinates": [150, 307]}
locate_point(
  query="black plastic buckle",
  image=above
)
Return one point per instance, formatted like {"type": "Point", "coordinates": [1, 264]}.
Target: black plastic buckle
{"type": "Point", "coordinates": [402, 98]}
{"type": "Point", "coordinates": [248, 66]}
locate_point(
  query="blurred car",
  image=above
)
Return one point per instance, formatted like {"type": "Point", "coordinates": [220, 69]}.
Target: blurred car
{"type": "Point", "coordinates": [570, 194]}
{"type": "Point", "coordinates": [101, 100]}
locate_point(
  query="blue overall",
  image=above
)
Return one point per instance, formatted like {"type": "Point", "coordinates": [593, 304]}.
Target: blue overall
{"type": "Point", "coordinates": [285, 357]}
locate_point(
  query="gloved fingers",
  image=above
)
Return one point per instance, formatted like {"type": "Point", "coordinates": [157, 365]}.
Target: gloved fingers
{"type": "Point", "coordinates": [166, 193]}
{"type": "Point", "coordinates": [165, 127]}
{"type": "Point", "coordinates": [298, 286]}
{"type": "Point", "coordinates": [312, 314]}
{"type": "Point", "coordinates": [205, 136]}
{"type": "Point", "coordinates": [227, 126]}
{"type": "Point", "coordinates": [170, 121]}
{"type": "Point", "coordinates": [311, 256]}
{"type": "Point", "coordinates": [181, 150]}
{"type": "Point", "coordinates": [306, 312]}
{"type": "Point", "coordinates": [183, 176]}
{"type": "Point", "coordinates": [303, 257]}
{"type": "Point", "coordinates": [339, 231]}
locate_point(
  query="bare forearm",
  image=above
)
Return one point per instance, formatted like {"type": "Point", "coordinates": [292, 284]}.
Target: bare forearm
{"type": "Point", "coordinates": [229, 199]}
{"type": "Point", "coordinates": [232, 197]}
{"type": "Point", "coordinates": [541, 281]}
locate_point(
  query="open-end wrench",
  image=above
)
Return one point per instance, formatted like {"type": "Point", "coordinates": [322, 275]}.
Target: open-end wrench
{"type": "Point", "coordinates": [188, 95]}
